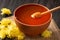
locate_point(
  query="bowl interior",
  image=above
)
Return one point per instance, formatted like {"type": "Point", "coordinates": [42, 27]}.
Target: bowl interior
{"type": "Point", "coordinates": [22, 15]}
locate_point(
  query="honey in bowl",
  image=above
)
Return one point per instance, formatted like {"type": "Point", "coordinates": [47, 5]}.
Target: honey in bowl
{"type": "Point", "coordinates": [32, 26]}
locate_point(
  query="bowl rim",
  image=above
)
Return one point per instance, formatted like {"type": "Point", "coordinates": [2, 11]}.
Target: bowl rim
{"type": "Point", "coordinates": [31, 4]}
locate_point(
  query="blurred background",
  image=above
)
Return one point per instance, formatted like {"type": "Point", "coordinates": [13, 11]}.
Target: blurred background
{"type": "Point", "coordinates": [12, 4]}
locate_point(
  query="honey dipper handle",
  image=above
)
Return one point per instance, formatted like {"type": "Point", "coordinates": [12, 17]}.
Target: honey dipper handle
{"type": "Point", "coordinates": [38, 14]}
{"type": "Point", "coordinates": [51, 10]}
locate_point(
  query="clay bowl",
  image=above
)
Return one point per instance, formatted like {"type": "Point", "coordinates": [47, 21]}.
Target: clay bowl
{"type": "Point", "coordinates": [21, 18]}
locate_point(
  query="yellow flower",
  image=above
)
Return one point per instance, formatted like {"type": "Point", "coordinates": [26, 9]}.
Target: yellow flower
{"type": "Point", "coordinates": [5, 21]}
{"type": "Point", "coordinates": [20, 37]}
{"type": "Point", "coordinates": [6, 11]}
{"type": "Point", "coordinates": [46, 33]}
{"type": "Point", "coordinates": [2, 27]}
{"type": "Point", "coordinates": [0, 22]}
{"type": "Point", "coordinates": [11, 30]}
{"type": "Point", "coordinates": [14, 32]}
{"type": "Point", "coordinates": [2, 34]}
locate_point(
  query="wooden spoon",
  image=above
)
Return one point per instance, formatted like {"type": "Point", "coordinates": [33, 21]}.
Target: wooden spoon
{"type": "Point", "coordinates": [38, 14]}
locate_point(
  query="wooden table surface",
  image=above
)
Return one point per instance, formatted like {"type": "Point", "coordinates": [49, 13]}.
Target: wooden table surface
{"type": "Point", "coordinates": [52, 27]}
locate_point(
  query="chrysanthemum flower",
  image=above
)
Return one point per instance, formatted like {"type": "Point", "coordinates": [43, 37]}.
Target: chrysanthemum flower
{"type": "Point", "coordinates": [5, 11]}
{"type": "Point", "coordinates": [46, 33]}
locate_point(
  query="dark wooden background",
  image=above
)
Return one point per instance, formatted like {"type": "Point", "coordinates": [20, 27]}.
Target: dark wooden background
{"type": "Point", "coordinates": [12, 4]}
